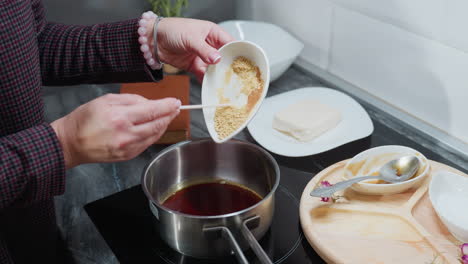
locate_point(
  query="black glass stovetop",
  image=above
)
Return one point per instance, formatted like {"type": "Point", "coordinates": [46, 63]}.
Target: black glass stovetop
{"type": "Point", "coordinates": [126, 224]}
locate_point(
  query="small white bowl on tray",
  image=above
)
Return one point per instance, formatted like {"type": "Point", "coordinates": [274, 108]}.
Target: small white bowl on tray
{"type": "Point", "coordinates": [448, 193]}
{"type": "Point", "coordinates": [214, 79]}
{"type": "Point", "coordinates": [369, 162]}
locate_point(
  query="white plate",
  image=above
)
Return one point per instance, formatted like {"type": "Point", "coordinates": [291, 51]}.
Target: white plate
{"type": "Point", "coordinates": [355, 123]}
{"type": "Point", "coordinates": [215, 79]}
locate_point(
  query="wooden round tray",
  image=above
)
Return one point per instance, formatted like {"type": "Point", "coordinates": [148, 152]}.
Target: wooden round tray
{"type": "Point", "coordinates": [400, 228]}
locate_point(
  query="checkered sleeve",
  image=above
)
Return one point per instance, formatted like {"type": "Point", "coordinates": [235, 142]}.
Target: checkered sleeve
{"type": "Point", "coordinates": [92, 54]}
{"type": "Point", "coordinates": [31, 167]}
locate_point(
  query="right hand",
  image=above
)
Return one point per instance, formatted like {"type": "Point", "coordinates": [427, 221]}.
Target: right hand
{"type": "Point", "coordinates": [113, 127]}
{"type": "Point", "coordinates": [189, 44]}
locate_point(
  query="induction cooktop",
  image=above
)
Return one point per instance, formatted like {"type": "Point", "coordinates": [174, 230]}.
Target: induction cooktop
{"type": "Point", "coordinates": [125, 222]}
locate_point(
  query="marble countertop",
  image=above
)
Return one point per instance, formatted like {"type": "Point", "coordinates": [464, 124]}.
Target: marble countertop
{"type": "Point", "coordinates": [87, 183]}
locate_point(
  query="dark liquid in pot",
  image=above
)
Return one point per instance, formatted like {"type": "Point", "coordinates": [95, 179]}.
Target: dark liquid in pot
{"type": "Point", "coordinates": [211, 199]}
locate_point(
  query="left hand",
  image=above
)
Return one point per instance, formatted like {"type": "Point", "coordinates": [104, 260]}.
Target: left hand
{"type": "Point", "coordinates": [190, 44]}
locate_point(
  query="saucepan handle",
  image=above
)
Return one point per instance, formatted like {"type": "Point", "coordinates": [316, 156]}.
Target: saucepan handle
{"type": "Point", "coordinates": [251, 223]}
{"type": "Point", "coordinates": [226, 233]}
{"type": "Point", "coordinates": [247, 224]}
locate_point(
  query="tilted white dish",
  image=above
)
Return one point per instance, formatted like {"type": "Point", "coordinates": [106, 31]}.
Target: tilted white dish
{"type": "Point", "coordinates": [448, 193]}
{"type": "Point", "coordinates": [370, 161]}
{"type": "Point", "coordinates": [280, 47]}
{"type": "Point", "coordinates": [355, 123]}
{"type": "Point", "coordinates": [215, 79]}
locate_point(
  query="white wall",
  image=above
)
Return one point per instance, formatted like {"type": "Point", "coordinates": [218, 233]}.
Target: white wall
{"type": "Point", "coordinates": [412, 54]}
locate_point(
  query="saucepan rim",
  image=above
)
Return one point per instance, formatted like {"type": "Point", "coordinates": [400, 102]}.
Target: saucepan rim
{"type": "Point", "coordinates": [170, 148]}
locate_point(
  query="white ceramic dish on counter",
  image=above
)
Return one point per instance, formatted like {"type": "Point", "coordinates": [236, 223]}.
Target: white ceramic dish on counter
{"type": "Point", "coordinates": [448, 193]}
{"type": "Point", "coordinates": [370, 161]}
{"type": "Point", "coordinates": [355, 123]}
{"type": "Point", "coordinates": [281, 47]}
{"type": "Point", "coordinates": [215, 79]}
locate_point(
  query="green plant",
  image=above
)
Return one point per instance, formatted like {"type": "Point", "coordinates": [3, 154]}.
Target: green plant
{"type": "Point", "coordinates": [168, 8]}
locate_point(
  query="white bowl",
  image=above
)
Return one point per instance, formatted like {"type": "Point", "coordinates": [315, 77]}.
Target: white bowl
{"type": "Point", "coordinates": [370, 161]}
{"type": "Point", "coordinates": [281, 47]}
{"type": "Point", "coordinates": [448, 193]}
{"type": "Point", "coordinates": [215, 79]}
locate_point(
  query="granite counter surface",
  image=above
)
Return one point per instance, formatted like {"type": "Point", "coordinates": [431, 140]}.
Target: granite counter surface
{"type": "Point", "coordinates": [87, 183]}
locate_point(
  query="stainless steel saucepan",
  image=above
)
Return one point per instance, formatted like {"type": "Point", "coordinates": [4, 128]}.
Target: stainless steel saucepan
{"type": "Point", "coordinates": [203, 161]}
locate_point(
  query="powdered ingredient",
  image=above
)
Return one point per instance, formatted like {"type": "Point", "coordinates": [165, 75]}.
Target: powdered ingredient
{"type": "Point", "coordinates": [229, 119]}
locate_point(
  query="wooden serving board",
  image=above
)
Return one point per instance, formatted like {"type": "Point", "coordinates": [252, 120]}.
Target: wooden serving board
{"type": "Point", "coordinates": [400, 228]}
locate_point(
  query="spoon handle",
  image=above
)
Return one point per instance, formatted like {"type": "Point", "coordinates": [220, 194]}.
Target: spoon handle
{"type": "Point", "coordinates": [190, 107]}
{"type": "Point", "coordinates": [329, 191]}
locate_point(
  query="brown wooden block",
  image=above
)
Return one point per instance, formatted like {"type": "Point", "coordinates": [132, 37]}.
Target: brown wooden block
{"type": "Point", "coordinates": [176, 86]}
{"type": "Point", "coordinates": [174, 136]}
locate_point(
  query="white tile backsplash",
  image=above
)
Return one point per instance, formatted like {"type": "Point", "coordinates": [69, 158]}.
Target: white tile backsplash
{"type": "Point", "coordinates": [309, 20]}
{"type": "Point", "coordinates": [420, 76]}
{"type": "Point", "coordinates": [455, 31]}
{"type": "Point", "coordinates": [424, 17]}
{"type": "Point", "coordinates": [412, 54]}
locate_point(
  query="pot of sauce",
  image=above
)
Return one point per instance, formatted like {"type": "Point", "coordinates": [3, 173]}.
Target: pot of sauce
{"type": "Point", "coordinates": [211, 200]}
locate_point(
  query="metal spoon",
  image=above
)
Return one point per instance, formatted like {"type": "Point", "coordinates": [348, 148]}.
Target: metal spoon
{"type": "Point", "coordinates": [397, 170]}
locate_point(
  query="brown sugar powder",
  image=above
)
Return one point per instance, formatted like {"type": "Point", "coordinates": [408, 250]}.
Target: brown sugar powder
{"type": "Point", "coordinates": [228, 119]}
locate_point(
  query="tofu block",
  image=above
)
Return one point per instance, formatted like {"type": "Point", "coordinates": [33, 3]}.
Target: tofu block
{"type": "Point", "coordinates": [306, 119]}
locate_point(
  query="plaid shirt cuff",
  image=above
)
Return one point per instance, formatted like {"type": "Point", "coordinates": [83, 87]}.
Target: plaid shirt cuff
{"type": "Point", "coordinates": [33, 164]}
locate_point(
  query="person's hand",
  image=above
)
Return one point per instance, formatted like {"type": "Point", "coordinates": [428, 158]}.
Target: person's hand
{"type": "Point", "coordinates": [190, 44]}
{"type": "Point", "coordinates": [113, 127]}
